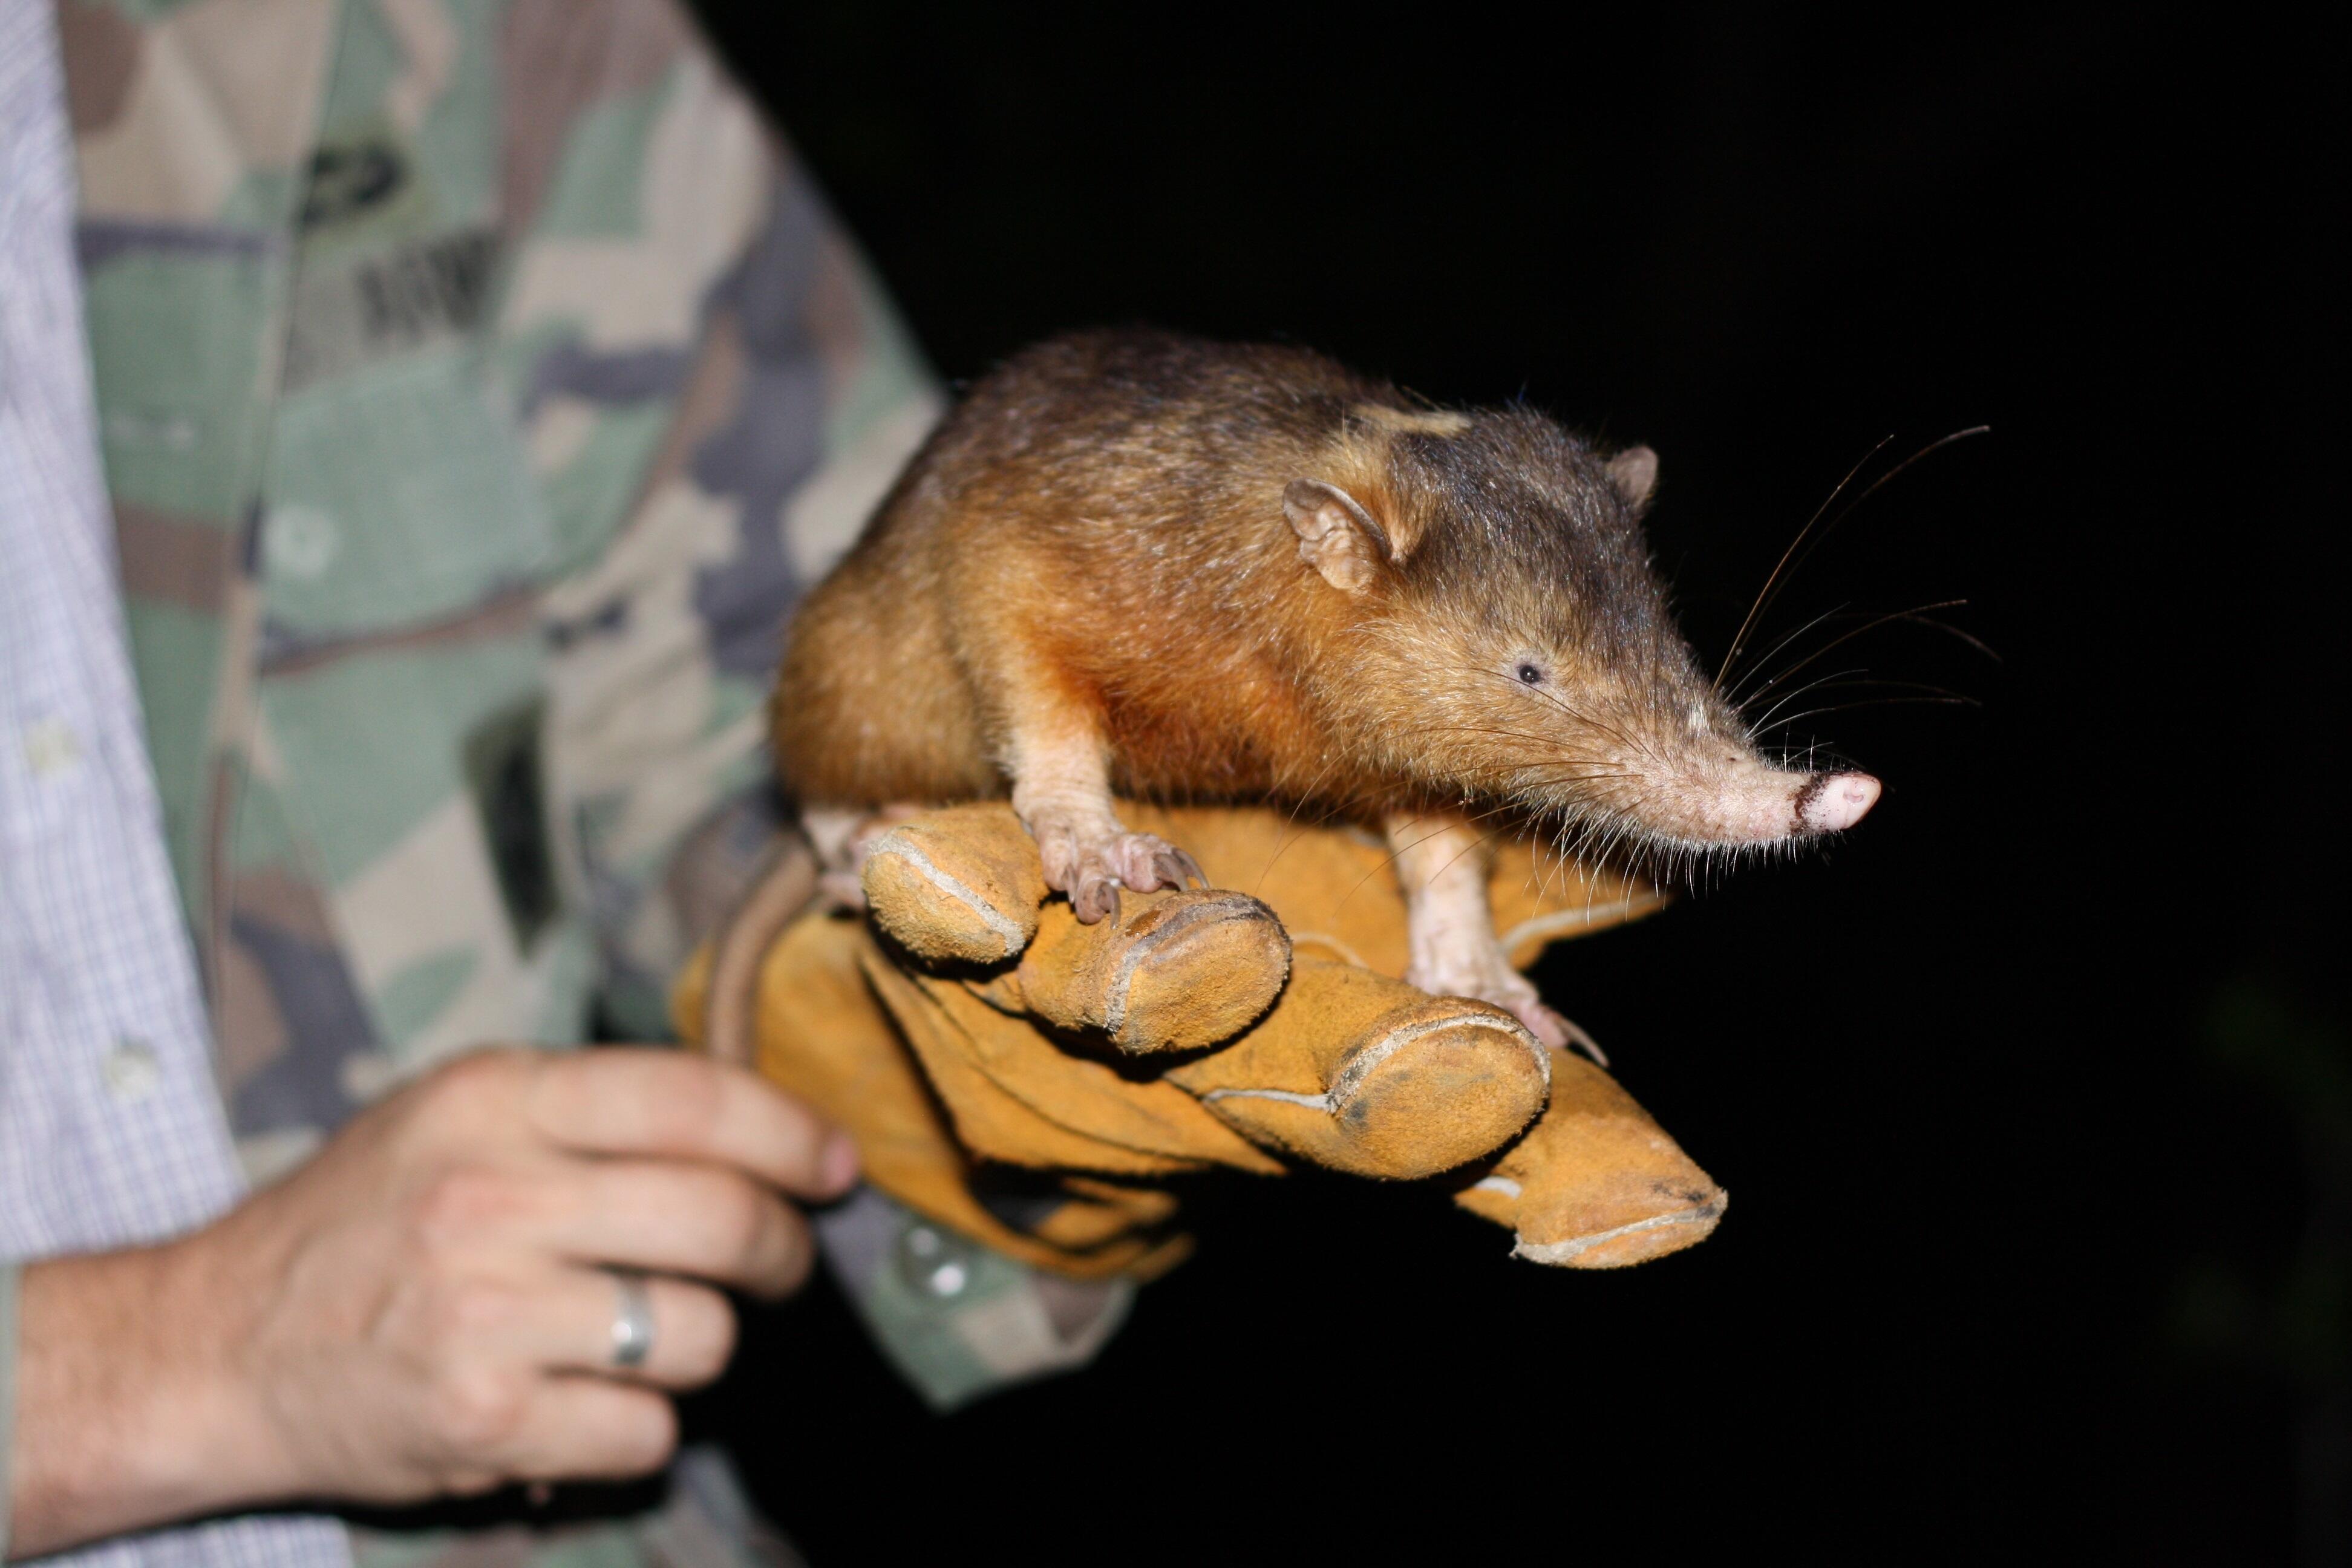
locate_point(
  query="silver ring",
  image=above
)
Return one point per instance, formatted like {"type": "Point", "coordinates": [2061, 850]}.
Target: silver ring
{"type": "Point", "coordinates": [632, 1322]}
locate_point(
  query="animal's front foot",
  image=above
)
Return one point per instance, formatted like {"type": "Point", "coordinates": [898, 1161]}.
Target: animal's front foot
{"type": "Point", "coordinates": [1091, 859]}
{"type": "Point", "coordinates": [1488, 976]}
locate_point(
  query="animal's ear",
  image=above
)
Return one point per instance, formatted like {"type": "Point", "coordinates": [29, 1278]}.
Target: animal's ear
{"type": "Point", "coordinates": [1633, 474]}
{"type": "Point", "coordinates": [1336, 535]}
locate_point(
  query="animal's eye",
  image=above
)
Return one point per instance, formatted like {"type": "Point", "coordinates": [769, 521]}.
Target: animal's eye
{"type": "Point", "coordinates": [1531, 674]}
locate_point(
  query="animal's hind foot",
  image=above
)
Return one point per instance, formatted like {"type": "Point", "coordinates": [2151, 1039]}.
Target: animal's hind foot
{"type": "Point", "coordinates": [843, 838]}
{"type": "Point", "coordinates": [1092, 860]}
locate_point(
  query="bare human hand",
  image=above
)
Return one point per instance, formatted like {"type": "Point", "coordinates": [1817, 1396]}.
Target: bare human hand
{"type": "Point", "coordinates": [423, 1309]}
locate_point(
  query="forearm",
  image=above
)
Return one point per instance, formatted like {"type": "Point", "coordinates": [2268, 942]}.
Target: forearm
{"type": "Point", "coordinates": [124, 1418]}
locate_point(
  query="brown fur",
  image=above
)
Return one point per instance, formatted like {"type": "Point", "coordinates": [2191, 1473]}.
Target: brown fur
{"type": "Point", "coordinates": [1098, 527]}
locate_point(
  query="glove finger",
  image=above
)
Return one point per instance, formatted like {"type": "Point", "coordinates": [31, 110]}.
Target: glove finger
{"type": "Point", "coordinates": [1174, 972]}
{"type": "Point", "coordinates": [958, 885]}
{"type": "Point", "coordinates": [1596, 1184]}
{"type": "Point", "coordinates": [1365, 1074]}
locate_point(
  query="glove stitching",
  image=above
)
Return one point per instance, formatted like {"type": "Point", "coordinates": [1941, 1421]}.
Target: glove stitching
{"type": "Point", "coordinates": [1287, 1096]}
{"type": "Point", "coordinates": [1351, 1081]}
{"type": "Point", "coordinates": [1351, 1078]}
{"type": "Point", "coordinates": [1115, 1005]}
{"type": "Point", "coordinates": [1558, 1252]}
{"type": "Point", "coordinates": [1010, 933]}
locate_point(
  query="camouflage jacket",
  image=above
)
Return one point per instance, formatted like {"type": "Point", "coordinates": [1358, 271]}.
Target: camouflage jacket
{"type": "Point", "coordinates": [479, 384]}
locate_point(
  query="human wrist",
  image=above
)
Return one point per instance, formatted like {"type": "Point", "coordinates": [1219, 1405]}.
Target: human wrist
{"type": "Point", "coordinates": [130, 1413]}
{"type": "Point", "coordinates": [211, 1378]}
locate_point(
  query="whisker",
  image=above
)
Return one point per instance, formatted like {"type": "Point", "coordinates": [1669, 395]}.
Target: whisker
{"type": "Point", "coordinates": [1756, 609]}
{"type": "Point", "coordinates": [1947, 628]}
{"type": "Point", "coordinates": [1876, 680]}
{"type": "Point", "coordinates": [1546, 742]}
{"type": "Point", "coordinates": [1773, 584]}
{"type": "Point", "coordinates": [1283, 839]}
{"type": "Point", "coordinates": [1766, 657]}
{"type": "Point", "coordinates": [1876, 485]}
{"type": "Point", "coordinates": [1794, 693]}
{"type": "Point", "coordinates": [1396, 852]}
{"type": "Point", "coordinates": [1876, 702]}
{"type": "Point", "coordinates": [1560, 703]}
{"type": "Point", "coordinates": [1870, 625]}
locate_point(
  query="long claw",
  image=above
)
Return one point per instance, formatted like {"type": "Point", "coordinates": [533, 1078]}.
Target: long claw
{"type": "Point", "coordinates": [1583, 1042]}
{"type": "Point", "coordinates": [1541, 1022]}
{"type": "Point", "coordinates": [1095, 898]}
{"type": "Point", "coordinates": [1191, 869]}
{"type": "Point", "coordinates": [1170, 867]}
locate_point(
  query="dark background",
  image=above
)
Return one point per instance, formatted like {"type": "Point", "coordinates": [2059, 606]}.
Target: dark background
{"type": "Point", "coordinates": [2034, 1095]}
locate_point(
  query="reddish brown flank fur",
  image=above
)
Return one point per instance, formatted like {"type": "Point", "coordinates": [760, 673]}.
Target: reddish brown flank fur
{"type": "Point", "coordinates": [1103, 518]}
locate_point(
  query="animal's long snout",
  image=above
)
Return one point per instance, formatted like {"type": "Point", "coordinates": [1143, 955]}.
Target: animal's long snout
{"type": "Point", "coordinates": [1750, 802]}
{"type": "Point", "coordinates": [1831, 802]}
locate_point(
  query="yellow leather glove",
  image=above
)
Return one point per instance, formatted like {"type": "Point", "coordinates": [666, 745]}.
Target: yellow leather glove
{"type": "Point", "coordinates": [1030, 1082]}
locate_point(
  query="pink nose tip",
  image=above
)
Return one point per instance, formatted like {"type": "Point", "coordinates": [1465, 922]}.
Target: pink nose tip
{"type": "Point", "coordinates": [1834, 802]}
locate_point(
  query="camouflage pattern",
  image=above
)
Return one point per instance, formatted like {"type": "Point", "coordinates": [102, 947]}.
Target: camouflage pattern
{"type": "Point", "coordinates": [480, 382]}
{"type": "Point", "coordinates": [960, 1320]}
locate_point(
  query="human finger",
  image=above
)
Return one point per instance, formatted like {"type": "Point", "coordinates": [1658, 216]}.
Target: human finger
{"type": "Point", "coordinates": [687, 1331]}
{"type": "Point", "coordinates": [591, 1428]}
{"type": "Point", "coordinates": [671, 1217]}
{"type": "Point", "coordinates": [650, 1101]}
{"type": "Point", "coordinates": [573, 1318]}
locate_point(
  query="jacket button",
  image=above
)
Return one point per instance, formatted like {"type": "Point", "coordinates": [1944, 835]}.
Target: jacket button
{"type": "Point", "coordinates": [934, 1263]}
